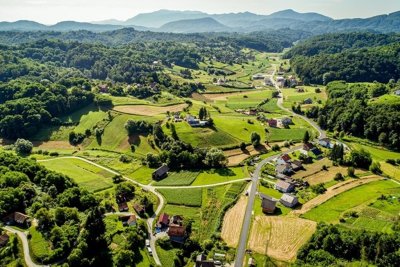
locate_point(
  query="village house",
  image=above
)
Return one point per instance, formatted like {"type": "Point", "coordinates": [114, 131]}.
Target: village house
{"type": "Point", "coordinates": [4, 240]}
{"type": "Point", "coordinates": [195, 122]}
{"type": "Point", "coordinates": [282, 176]}
{"type": "Point", "coordinates": [268, 204]}
{"type": "Point", "coordinates": [103, 88]}
{"type": "Point", "coordinates": [316, 152]}
{"type": "Point", "coordinates": [285, 169]}
{"type": "Point", "coordinates": [258, 76]}
{"type": "Point", "coordinates": [268, 82]}
{"type": "Point", "coordinates": [286, 121]}
{"type": "Point", "coordinates": [325, 142]}
{"type": "Point", "coordinates": [201, 261]}
{"type": "Point", "coordinates": [160, 173]}
{"type": "Point", "coordinates": [139, 209]}
{"type": "Point", "coordinates": [272, 123]}
{"type": "Point", "coordinates": [280, 81]}
{"type": "Point", "coordinates": [163, 220]}
{"type": "Point", "coordinates": [307, 101]}
{"type": "Point", "coordinates": [176, 233]}
{"type": "Point", "coordinates": [296, 165]}
{"type": "Point", "coordinates": [129, 220]}
{"type": "Point", "coordinates": [251, 262]}
{"type": "Point", "coordinates": [123, 206]}
{"type": "Point", "coordinates": [306, 148]}
{"type": "Point", "coordinates": [177, 117]}
{"type": "Point", "coordinates": [284, 186]}
{"type": "Point", "coordinates": [397, 92]}
{"type": "Point", "coordinates": [220, 81]}
{"type": "Point", "coordinates": [17, 218]}
{"type": "Point", "coordinates": [289, 200]}
{"type": "Point", "coordinates": [283, 159]}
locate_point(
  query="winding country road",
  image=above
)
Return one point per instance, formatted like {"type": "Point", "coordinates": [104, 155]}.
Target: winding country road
{"type": "Point", "coordinates": [25, 245]}
{"type": "Point", "coordinates": [241, 250]}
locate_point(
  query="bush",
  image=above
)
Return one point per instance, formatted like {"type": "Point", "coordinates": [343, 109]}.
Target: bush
{"type": "Point", "coordinates": [275, 148]}
{"type": "Point", "coordinates": [339, 177]}
{"type": "Point", "coordinates": [318, 189]}
{"type": "Point", "coordinates": [351, 171]}
{"type": "Point", "coordinates": [23, 146]}
{"type": "Point", "coordinates": [125, 158]}
{"type": "Point", "coordinates": [391, 161]}
{"type": "Point", "coordinates": [375, 168]}
{"type": "Point", "coordinates": [53, 154]}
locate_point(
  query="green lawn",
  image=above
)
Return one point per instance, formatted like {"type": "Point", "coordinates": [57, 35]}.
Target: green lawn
{"type": "Point", "coordinates": [250, 100]}
{"type": "Point", "coordinates": [238, 126]}
{"type": "Point", "coordinates": [142, 175]}
{"type": "Point", "coordinates": [331, 210]}
{"type": "Point", "coordinates": [86, 175]}
{"type": "Point", "coordinates": [280, 209]}
{"type": "Point", "coordinates": [220, 175]}
{"type": "Point", "coordinates": [178, 178]}
{"type": "Point", "coordinates": [188, 197]}
{"type": "Point", "coordinates": [39, 247]}
{"type": "Point", "coordinates": [166, 256]}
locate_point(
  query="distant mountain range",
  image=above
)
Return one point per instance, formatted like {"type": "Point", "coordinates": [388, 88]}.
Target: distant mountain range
{"type": "Point", "coordinates": [195, 21]}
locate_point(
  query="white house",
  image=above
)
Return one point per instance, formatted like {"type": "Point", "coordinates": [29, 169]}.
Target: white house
{"type": "Point", "coordinates": [397, 92]}
{"type": "Point", "coordinates": [280, 81]}
{"type": "Point", "coordinates": [283, 159]}
{"type": "Point", "coordinates": [325, 142]}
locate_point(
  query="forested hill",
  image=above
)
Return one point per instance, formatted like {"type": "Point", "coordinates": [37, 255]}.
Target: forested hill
{"type": "Point", "coordinates": [270, 41]}
{"type": "Point", "coordinates": [338, 42]}
{"type": "Point", "coordinates": [326, 60]}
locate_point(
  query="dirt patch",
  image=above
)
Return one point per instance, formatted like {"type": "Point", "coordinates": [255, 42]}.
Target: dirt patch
{"type": "Point", "coordinates": [215, 97]}
{"type": "Point", "coordinates": [147, 110]}
{"type": "Point", "coordinates": [53, 145]}
{"type": "Point", "coordinates": [233, 221]}
{"type": "Point", "coordinates": [235, 156]}
{"type": "Point", "coordinates": [280, 237]}
{"type": "Point", "coordinates": [335, 190]}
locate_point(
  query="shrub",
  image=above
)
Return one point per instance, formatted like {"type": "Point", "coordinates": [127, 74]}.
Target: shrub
{"type": "Point", "coordinates": [125, 159]}
{"type": "Point", "coordinates": [318, 189]}
{"type": "Point", "coordinates": [375, 168]}
{"type": "Point", "coordinates": [351, 171]}
{"type": "Point", "coordinates": [391, 161]}
{"type": "Point", "coordinates": [23, 146]}
{"type": "Point", "coordinates": [338, 177]}
{"type": "Point", "coordinates": [276, 147]}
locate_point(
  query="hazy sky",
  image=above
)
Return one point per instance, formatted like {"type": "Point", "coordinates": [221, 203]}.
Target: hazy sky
{"type": "Point", "coordinates": [51, 11]}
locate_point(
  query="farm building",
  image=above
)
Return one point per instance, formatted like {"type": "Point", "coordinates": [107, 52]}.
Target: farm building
{"type": "Point", "coordinates": [3, 240]}
{"type": "Point", "coordinates": [316, 152]}
{"type": "Point", "coordinates": [17, 218]}
{"type": "Point", "coordinates": [258, 76]}
{"type": "Point", "coordinates": [397, 92]}
{"type": "Point", "coordinates": [123, 207]}
{"type": "Point", "coordinates": [289, 200]}
{"type": "Point", "coordinates": [284, 186]}
{"type": "Point", "coordinates": [284, 169]}
{"type": "Point", "coordinates": [280, 81]}
{"type": "Point", "coordinates": [286, 121]}
{"type": "Point", "coordinates": [201, 261]}
{"type": "Point", "coordinates": [268, 204]}
{"type": "Point", "coordinates": [161, 172]}
{"type": "Point", "coordinates": [282, 176]}
{"type": "Point", "coordinates": [251, 262]}
{"type": "Point", "coordinates": [129, 220]}
{"type": "Point", "coordinates": [307, 101]}
{"type": "Point", "coordinates": [268, 82]}
{"type": "Point", "coordinates": [272, 123]}
{"type": "Point", "coordinates": [163, 220]}
{"type": "Point", "coordinates": [325, 142]}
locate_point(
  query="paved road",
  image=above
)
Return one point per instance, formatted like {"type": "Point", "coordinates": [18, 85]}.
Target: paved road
{"type": "Point", "coordinates": [256, 176]}
{"type": "Point", "coordinates": [25, 245]}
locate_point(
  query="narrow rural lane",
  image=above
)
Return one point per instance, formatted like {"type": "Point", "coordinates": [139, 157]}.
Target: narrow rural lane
{"type": "Point", "coordinates": [241, 250]}
{"type": "Point", "coordinates": [25, 245]}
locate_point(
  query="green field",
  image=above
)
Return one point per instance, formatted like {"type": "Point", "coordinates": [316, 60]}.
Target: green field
{"type": "Point", "coordinates": [250, 100]}
{"type": "Point", "coordinates": [220, 175]}
{"type": "Point", "coordinates": [334, 208]}
{"type": "Point", "coordinates": [189, 197]}
{"type": "Point", "coordinates": [84, 174]}
{"type": "Point", "coordinates": [269, 191]}
{"type": "Point", "coordinates": [178, 178]}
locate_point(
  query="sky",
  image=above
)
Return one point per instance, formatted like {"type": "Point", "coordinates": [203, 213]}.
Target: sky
{"type": "Point", "coordinates": [52, 11]}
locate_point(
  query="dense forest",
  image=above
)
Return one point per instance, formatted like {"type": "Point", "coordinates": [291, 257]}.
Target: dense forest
{"type": "Point", "coordinates": [333, 246]}
{"type": "Point", "coordinates": [68, 216]}
{"type": "Point", "coordinates": [326, 59]}
{"type": "Point", "coordinates": [356, 110]}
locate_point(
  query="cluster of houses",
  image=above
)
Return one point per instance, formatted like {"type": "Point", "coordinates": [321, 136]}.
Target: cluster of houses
{"type": "Point", "coordinates": [173, 225]}
{"type": "Point", "coordinates": [289, 82]}
{"type": "Point", "coordinates": [194, 122]}
{"type": "Point", "coordinates": [268, 203]}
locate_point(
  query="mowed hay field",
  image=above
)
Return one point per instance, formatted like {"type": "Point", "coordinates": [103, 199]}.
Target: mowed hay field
{"type": "Point", "coordinates": [280, 237]}
{"type": "Point", "coordinates": [232, 224]}
{"type": "Point", "coordinates": [147, 110]}
{"type": "Point", "coordinates": [84, 174]}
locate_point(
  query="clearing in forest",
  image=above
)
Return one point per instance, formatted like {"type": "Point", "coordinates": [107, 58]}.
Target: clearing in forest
{"type": "Point", "coordinates": [232, 224]}
{"type": "Point", "coordinates": [280, 237]}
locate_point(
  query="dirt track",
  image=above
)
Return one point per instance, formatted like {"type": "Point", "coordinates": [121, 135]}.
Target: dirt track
{"type": "Point", "coordinates": [233, 222]}
{"type": "Point", "coordinates": [333, 191]}
{"type": "Point", "coordinates": [280, 237]}
{"type": "Point", "coordinates": [147, 110]}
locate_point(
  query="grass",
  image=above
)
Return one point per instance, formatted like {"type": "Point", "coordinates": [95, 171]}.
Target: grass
{"type": "Point", "coordinates": [238, 126]}
{"type": "Point", "coordinates": [278, 134]}
{"type": "Point", "coordinates": [178, 178]}
{"type": "Point", "coordinates": [188, 197]}
{"type": "Point", "coordinates": [142, 175]}
{"type": "Point", "coordinates": [280, 209]}
{"type": "Point", "coordinates": [252, 99]}
{"type": "Point", "coordinates": [166, 256]}
{"type": "Point", "coordinates": [84, 174]}
{"type": "Point", "coordinates": [331, 210]}
{"type": "Point", "coordinates": [39, 247]}
{"type": "Point", "coordinates": [220, 175]}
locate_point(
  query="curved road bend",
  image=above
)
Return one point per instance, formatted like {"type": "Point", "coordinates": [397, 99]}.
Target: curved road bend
{"type": "Point", "coordinates": [25, 245]}
{"type": "Point", "coordinates": [256, 176]}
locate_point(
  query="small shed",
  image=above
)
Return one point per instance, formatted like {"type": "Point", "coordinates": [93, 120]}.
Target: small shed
{"type": "Point", "coordinates": [161, 172]}
{"type": "Point", "coordinates": [289, 200]}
